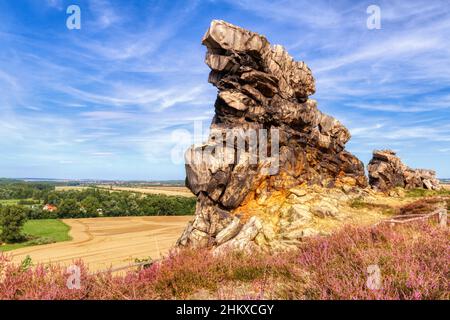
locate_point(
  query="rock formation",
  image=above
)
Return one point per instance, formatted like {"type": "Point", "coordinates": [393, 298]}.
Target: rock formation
{"type": "Point", "coordinates": [387, 171]}
{"type": "Point", "coordinates": [245, 197]}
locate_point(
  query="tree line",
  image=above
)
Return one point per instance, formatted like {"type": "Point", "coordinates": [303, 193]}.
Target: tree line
{"type": "Point", "coordinates": [87, 203]}
{"type": "Point", "coordinates": [93, 202]}
{"type": "Point", "coordinates": [90, 202]}
{"type": "Point", "coordinates": [12, 189]}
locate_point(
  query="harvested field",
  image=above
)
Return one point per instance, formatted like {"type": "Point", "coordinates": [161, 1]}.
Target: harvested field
{"type": "Point", "coordinates": [69, 188]}
{"type": "Point", "coordinates": [164, 190]}
{"type": "Point", "coordinates": [106, 242]}
{"type": "Point", "coordinates": [168, 191]}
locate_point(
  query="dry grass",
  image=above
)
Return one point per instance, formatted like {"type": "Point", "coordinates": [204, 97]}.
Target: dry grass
{"type": "Point", "coordinates": [423, 206]}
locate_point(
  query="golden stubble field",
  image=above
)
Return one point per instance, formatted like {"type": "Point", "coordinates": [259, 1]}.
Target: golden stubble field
{"type": "Point", "coordinates": [168, 191]}
{"type": "Point", "coordinates": [106, 242]}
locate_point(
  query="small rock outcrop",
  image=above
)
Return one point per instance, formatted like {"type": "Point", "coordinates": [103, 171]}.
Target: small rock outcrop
{"type": "Point", "coordinates": [387, 171]}
{"type": "Point", "coordinates": [247, 198]}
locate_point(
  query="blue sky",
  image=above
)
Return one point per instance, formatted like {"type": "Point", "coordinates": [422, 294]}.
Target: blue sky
{"type": "Point", "coordinates": [103, 102]}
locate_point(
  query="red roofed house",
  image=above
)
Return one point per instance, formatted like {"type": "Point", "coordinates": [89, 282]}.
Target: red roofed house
{"type": "Point", "coordinates": [50, 208]}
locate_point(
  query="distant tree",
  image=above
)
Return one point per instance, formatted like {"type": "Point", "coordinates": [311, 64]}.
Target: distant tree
{"type": "Point", "coordinates": [90, 206]}
{"type": "Point", "coordinates": [69, 208]}
{"type": "Point", "coordinates": [12, 219]}
{"type": "Point", "coordinates": [51, 198]}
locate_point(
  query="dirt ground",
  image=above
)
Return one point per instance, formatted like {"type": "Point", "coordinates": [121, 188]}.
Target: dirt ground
{"type": "Point", "coordinates": [106, 242]}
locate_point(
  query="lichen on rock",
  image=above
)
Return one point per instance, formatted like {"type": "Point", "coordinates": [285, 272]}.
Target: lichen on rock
{"type": "Point", "coordinates": [288, 145]}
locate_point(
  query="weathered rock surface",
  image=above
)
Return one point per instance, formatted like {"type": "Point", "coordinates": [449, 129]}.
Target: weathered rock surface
{"type": "Point", "coordinates": [387, 171]}
{"type": "Point", "coordinates": [243, 195]}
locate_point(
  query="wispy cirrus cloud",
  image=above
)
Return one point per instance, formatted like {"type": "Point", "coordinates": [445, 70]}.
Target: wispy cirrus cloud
{"type": "Point", "coordinates": [95, 100]}
{"type": "Point", "coordinates": [105, 14]}
{"type": "Point", "coordinates": [57, 4]}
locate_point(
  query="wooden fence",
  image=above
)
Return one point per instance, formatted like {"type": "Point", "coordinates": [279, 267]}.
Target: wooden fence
{"type": "Point", "coordinates": [144, 264]}
{"type": "Point", "coordinates": [440, 214]}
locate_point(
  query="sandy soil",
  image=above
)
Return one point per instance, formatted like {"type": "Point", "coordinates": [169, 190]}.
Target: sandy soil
{"type": "Point", "coordinates": [106, 242]}
{"type": "Point", "coordinates": [446, 186]}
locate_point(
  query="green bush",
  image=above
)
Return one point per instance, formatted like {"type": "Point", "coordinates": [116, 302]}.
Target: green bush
{"type": "Point", "coordinates": [12, 219]}
{"type": "Point", "coordinates": [360, 203]}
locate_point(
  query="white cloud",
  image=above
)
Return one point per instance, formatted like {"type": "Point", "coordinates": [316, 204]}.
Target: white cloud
{"type": "Point", "coordinates": [105, 14]}
{"type": "Point", "coordinates": [102, 154]}
{"type": "Point", "coordinates": [57, 4]}
{"type": "Point", "coordinates": [123, 84]}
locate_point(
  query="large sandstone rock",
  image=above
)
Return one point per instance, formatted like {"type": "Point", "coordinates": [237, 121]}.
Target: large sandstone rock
{"type": "Point", "coordinates": [387, 171]}
{"type": "Point", "coordinates": [263, 102]}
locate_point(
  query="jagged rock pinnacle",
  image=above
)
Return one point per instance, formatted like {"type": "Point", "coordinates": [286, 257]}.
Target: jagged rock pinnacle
{"type": "Point", "coordinates": [263, 93]}
{"type": "Point", "coordinates": [387, 171]}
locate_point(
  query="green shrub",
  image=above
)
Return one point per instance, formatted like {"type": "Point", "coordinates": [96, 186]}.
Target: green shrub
{"type": "Point", "coordinates": [26, 264]}
{"type": "Point", "coordinates": [360, 203]}
{"type": "Point", "coordinates": [12, 219]}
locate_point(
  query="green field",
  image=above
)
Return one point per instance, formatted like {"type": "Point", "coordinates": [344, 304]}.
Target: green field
{"type": "Point", "coordinates": [12, 202]}
{"type": "Point", "coordinates": [9, 202]}
{"type": "Point", "coordinates": [44, 231]}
